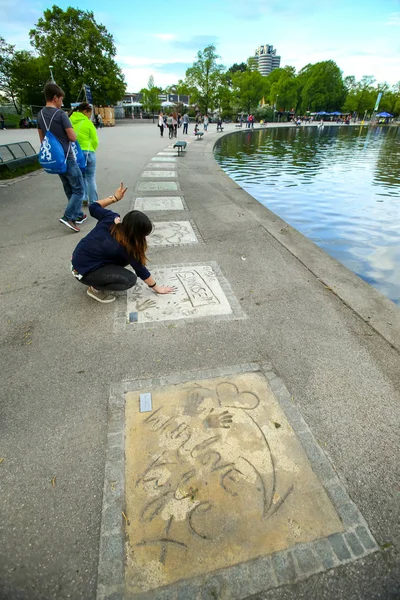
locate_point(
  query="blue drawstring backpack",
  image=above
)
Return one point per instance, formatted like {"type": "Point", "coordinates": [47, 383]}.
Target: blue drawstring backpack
{"type": "Point", "coordinates": [51, 154]}
{"type": "Point", "coordinates": [79, 155]}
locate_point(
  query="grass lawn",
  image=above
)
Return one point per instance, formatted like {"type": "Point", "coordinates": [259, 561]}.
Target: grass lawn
{"type": "Point", "coordinates": [5, 173]}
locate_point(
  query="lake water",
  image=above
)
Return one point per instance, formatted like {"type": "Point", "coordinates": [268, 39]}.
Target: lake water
{"type": "Point", "coordinates": [339, 186]}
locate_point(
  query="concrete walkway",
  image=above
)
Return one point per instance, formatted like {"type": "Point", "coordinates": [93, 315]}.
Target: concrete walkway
{"type": "Point", "coordinates": [297, 316]}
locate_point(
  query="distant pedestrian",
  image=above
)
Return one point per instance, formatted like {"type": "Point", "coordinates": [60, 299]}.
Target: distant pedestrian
{"type": "Point", "coordinates": [170, 126]}
{"type": "Point", "coordinates": [2, 121]}
{"type": "Point", "coordinates": [52, 118]}
{"type": "Point", "coordinates": [219, 124]}
{"type": "Point", "coordinates": [161, 123]}
{"type": "Point", "coordinates": [205, 122]}
{"type": "Point", "coordinates": [175, 124]}
{"type": "Point", "coordinates": [185, 123]}
{"type": "Point", "coordinates": [81, 119]}
{"type": "Point", "coordinates": [100, 258]}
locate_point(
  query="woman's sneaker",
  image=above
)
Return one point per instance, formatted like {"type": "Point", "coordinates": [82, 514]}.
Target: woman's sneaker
{"type": "Point", "coordinates": [100, 296]}
{"type": "Point", "coordinates": [81, 219]}
{"type": "Point", "coordinates": [71, 224]}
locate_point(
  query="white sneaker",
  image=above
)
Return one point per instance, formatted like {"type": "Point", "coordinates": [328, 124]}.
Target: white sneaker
{"type": "Point", "coordinates": [100, 296]}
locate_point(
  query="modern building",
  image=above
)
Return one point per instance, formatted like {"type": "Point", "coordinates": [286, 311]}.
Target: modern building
{"type": "Point", "coordinates": [266, 59]}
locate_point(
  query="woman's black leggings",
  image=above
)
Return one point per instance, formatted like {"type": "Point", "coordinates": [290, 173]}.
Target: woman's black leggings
{"type": "Point", "coordinates": [110, 277]}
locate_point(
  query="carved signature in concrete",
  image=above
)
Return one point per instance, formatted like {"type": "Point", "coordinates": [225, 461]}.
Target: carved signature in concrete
{"type": "Point", "coordinates": [199, 293]}
{"type": "Point", "coordinates": [211, 469]}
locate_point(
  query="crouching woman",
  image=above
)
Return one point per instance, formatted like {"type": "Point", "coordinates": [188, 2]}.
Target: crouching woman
{"type": "Point", "coordinates": [100, 258]}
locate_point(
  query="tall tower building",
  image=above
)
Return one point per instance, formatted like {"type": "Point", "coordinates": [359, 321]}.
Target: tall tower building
{"type": "Point", "coordinates": [266, 59]}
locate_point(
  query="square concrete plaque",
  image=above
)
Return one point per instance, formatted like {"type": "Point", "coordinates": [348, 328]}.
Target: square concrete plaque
{"type": "Point", "coordinates": [159, 174]}
{"type": "Point", "coordinates": [151, 186]}
{"type": "Point", "coordinates": [159, 203]}
{"type": "Point", "coordinates": [215, 476]}
{"type": "Point", "coordinates": [163, 165]}
{"type": "Point", "coordinates": [162, 159]}
{"type": "Point", "coordinates": [172, 233]}
{"type": "Point", "coordinates": [167, 153]}
{"type": "Point", "coordinates": [199, 294]}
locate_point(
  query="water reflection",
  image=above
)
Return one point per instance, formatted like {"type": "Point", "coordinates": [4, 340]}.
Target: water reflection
{"type": "Point", "coordinates": [338, 186]}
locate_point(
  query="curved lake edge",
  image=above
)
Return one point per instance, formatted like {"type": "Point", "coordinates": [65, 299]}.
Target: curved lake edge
{"type": "Point", "coordinates": [367, 302]}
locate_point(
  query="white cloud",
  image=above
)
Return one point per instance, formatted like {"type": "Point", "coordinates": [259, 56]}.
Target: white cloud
{"type": "Point", "coordinates": [394, 19]}
{"type": "Point", "coordinates": [137, 78]}
{"type": "Point", "coordinates": [165, 37]}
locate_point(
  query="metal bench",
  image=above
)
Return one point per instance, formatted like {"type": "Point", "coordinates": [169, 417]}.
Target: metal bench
{"type": "Point", "coordinates": [220, 128]}
{"type": "Point", "coordinates": [181, 147]}
{"type": "Point", "coordinates": [17, 154]}
{"type": "Point", "coordinates": [199, 135]}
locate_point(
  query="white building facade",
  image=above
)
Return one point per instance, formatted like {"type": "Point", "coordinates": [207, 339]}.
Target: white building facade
{"type": "Point", "coordinates": [266, 59]}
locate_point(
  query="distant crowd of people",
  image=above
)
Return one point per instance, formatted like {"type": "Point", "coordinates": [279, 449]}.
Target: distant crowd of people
{"type": "Point", "coordinates": [174, 120]}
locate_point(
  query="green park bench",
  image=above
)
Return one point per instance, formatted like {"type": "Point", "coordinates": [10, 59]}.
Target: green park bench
{"type": "Point", "coordinates": [180, 146]}
{"type": "Point", "coordinates": [16, 155]}
{"type": "Point", "coordinates": [199, 135]}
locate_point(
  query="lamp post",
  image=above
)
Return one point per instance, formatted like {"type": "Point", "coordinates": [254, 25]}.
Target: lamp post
{"type": "Point", "coordinates": [51, 73]}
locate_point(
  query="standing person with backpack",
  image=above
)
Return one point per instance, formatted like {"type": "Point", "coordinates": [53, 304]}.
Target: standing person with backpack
{"type": "Point", "coordinates": [52, 120]}
{"type": "Point", "coordinates": [89, 141]}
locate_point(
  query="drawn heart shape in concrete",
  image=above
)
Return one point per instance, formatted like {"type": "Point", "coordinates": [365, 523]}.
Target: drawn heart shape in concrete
{"type": "Point", "coordinates": [229, 395]}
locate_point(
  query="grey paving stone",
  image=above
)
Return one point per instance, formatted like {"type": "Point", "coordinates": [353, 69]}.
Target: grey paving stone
{"type": "Point", "coordinates": [338, 495]}
{"type": "Point", "coordinates": [350, 515]}
{"type": "Point", "coordinates": [284, 568]}
{"type": "Point", "coordinates": [354, 543]}
{"type": "Point", "coordinates": [307, 561]}
{"type": "Point", "coordinates": [324, 550]}
{"type": "Point", "coordinates": [365, 538]}
{"type": "Point", "coordinates": [339, 546]}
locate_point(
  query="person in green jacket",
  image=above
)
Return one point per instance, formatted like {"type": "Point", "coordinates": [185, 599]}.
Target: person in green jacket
{"type": "Point", "coordinates": [87, 137]}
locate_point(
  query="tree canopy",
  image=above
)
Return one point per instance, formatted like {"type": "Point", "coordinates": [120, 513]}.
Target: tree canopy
{"type": "Point", "coordinates": [82, 52]}
{"type": "Point", "coordinates": [150, 97]}
{"type": "Point", "coordinates": [205, 76]}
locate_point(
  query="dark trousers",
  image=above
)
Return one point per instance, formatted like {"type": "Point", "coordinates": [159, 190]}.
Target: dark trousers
{"type": "Point", "coordinates": [112, 278]}
{"type": "Point", "coordinates": [185, 127]}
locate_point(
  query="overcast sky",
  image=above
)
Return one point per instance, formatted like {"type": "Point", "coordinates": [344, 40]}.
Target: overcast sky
{"type": "Point", "coordinates": [362, 37]}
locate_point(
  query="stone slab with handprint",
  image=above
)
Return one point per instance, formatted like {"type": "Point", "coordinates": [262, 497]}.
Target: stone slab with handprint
{"type": "Point", "coordinates": [215, 476]}
{"type": "Point", "coordinates": [198, 294]}
{"type": "Point", "coordinates": [172, 233]}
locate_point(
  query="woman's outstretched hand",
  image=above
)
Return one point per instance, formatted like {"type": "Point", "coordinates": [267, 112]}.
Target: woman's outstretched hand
{"type": "Point", "coordinates": [120, 192]}
{"type": "Point", "coordinates": [164, 289]}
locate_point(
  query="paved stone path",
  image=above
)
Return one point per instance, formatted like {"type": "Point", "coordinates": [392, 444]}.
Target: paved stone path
{"type": "Point", "coordinates": [269, 456]}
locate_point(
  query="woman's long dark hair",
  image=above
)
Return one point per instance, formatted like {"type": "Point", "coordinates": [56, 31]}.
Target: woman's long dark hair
{"type": "Point", "coordinates": [131, 234]}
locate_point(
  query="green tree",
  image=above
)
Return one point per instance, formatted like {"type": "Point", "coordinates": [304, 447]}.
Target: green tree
{"type": "Point", "coordinates": [321, 87]}
{"type": "Point", "coordinates": [7, 82]}
{"type": "Point", "coordinates": [205, 76]}
{"type": "Point", "coordinates": [151, 100]}
{"type": "Point", "coordinates": [283, 92]}
{"type": "Point", "coordinates": [238, 67]}
{"type": "Point", "coordinates": [248, 89]}
{"type": "Point", "coordinates": [224, 97]}
{"type": "Point", "coordinates": [81, 51]}
{"type": "Point", "coordinates": [361, 97]}
{"type": "Point", "coordinates": [22, 76]}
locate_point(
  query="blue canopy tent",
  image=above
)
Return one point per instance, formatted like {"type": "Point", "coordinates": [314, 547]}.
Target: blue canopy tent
{"type": "Point", "coordinates": [336, 113]}
{"type": "Point", "coordinates": [384, 114]}
{"type": "Point", "coordinates": [322, 112]}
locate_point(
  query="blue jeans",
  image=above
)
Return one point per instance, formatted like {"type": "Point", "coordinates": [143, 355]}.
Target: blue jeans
{"type": "Point", "coordinates": [74, 189]}
{"type": "Point", "coordinates": [89, 177]}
